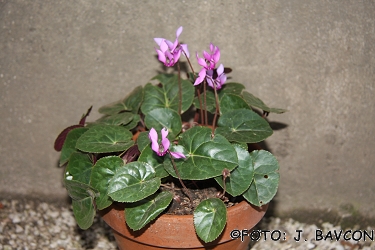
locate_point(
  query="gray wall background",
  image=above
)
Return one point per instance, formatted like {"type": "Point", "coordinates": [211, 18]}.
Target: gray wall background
{"type": "Point", "coordinates": [315, 58]}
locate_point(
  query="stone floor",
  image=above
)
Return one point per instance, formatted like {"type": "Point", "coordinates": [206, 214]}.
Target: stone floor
{"type": "Point", "coordinates": [27, 225]}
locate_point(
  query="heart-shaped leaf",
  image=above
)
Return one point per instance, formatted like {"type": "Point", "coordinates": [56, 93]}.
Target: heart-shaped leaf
{"type": "Point", "coordinates": [102, 172]}
{"type": "Point", "coordinates": [105, 139]}
{"type": "Point", "coordinates": [117, 119]}
{"type": "Point", "coordinates": [210, 102]}
{"type": "Point", "coordinates": [134, 182]}
{"type": "Point", "coordinates": [79, 190]}
{"type": "Point", "coordinates": [164, 118]}
{"type": "Point", "coordinates": [82, 201]}
{"type": "Point", "coordinates": [70, 144]}
{"type": "Point", "coordinates": [243, 125]}
{"type": "Point", "coordinates": [60, 140]}
{"type": "Point", "coordinates": [206, 157]}
{"type": "Point", "coordinates": [167, 96]}
{"type": "Point", "coordinates": [254, 101]}
{"type": "Point", "coordinates": [210, 217]}
{"type": "Point", "coordinates": [266, 178]}
{"type": "Point", "coordinates": [84, 212]}
{"type": "Point", "coordinates": [133, 123]}
{"type": "Point", "coordinates": [230, 102]}
{"type": "Point", "coordinates": [134, 100]}
{"type": "Point", "coordinates": [79, 168]}
{"type": "Point", "coordinates": [131, 103]}
{"type": "Point", "coordinates": [143, 141]}
{"type": "Point", "coordinates": [139, 214]}
{"type": "Point", "coordinates": [150, 157]}
{"type": "Point", "coordinates": [231, 88]}
{"type": "Point", "coordinates": [241, 177]}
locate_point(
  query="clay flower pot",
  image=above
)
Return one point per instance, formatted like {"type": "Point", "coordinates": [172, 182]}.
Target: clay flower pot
{"type": "Point", "coordinates": [177, 231]}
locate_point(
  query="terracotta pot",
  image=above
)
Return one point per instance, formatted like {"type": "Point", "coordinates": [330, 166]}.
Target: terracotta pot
{"type": "Point", "coordinates": [177, 231]}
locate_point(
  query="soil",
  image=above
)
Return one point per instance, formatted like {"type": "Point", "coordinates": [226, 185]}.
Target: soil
{"type": "Point", "coordinates": [198, 191]}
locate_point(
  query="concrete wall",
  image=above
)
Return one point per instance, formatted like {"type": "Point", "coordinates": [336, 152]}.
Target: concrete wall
{"type": "Point", "coordinates": [315, 58]}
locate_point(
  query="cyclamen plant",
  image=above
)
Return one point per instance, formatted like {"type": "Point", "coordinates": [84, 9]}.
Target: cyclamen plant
{"type": "Point", "coordinates": [190, 130]}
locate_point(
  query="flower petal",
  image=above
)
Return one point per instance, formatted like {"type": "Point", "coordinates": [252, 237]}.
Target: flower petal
{"type": "Point", "coordinates": [161, 56]}
{"type": "Point", "coordinates": [170, 44]}
{"type": "Point", "coordinates": [201, 61]}
{"type": "Point", "coordinates": [212, 47]}
{"type": "Point", "coordinates": [164, 140]}
{"type": "Point", "coordinates": [179, 31]}
{"type": "Point", "coordinates": [164, 133]}
{"type": "Point", "coordinates": [174, 45]}
{"type": "Point", "coordinates": [153, 136]}
{"type": "Point", "coordinates": [206, 55]}
{"type": "Point", "coordinates": [177, 55]}
{"type": "Point", "coordinates": [158, 40]}
{"type": "Point", "coordinates": [200, 78]}
{"type": "Point", "coordinates": [220, 69]}
{"type": "Point", "coordinates": [216, 55]}
{"type": "Point", "coordinates": [164, 45]}
{"type": "Point", "coordinates": [210, 82]}
{"type": "Point", "coordinates": [177, 155]}
{"type": "Point", "coordinates": [185, 49]}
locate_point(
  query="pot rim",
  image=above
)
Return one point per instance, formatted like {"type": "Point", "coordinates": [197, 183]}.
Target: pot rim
{"type": "Point", "coordinates": [177, 227]}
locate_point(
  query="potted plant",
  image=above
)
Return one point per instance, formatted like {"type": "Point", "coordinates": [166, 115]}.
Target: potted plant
{"type": "Point", "coordinates": [175, 146]}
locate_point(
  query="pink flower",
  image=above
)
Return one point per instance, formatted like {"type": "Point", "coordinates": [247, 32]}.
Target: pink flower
{"type": "Point", "coordinates": [210, 59]}
{"type": "Point", "coordinates": [216, 76]}
{"type": "Point", "coordinates": [162, 148]}
{"type": "Point", "coordinates": [212, 75]}
{"type": "Point", "coordinates": [169, 53]}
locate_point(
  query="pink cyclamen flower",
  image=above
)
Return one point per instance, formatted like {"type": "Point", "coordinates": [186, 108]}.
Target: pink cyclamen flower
{"type": "Point", "coordinates": [169, 53]}
{"type": "Point", "coordinates": [162, 148]}
{"type": "Point", "coordinates": [208, 71]}
{"type": "Point", "coordinates": [216, 76]}
{"type": "Point", "coordinates": [210, 58]}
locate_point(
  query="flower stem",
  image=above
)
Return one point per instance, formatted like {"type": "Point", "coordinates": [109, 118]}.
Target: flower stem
{"type": "Point", "coordinates": [179, 88]}
{"type": "Point", "coordinates": [200, 105]}
{"type": "Point", "coordinates": [186, 191]}
{"type": "Point", "coordinates": [217, 111]}
{"type": "Point", "coordinates": [226, 174]}
{"type": "Point", "coordinates": [205, 102]}
{"type": "Point", "coordinates": [191, 67]}
{"type": "Point", "coordinates": [198, 90]}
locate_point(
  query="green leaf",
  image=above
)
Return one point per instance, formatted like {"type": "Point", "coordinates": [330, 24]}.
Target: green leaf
{"type": "Point", "coordinates": [102, 172]}
{"type": "Point", "coordinates": [206, 157]}
{"type": "Point", "coordinates": [243, 125]}
{"type": "Point", "coordinates": [230, 102]}
{"type": "Point", "coordinates": [210, 217]}
{"type": "Point", "coordinates": [82, 200]}
{"type": "Point", "coordinates": [105, 139]}
{"type": "Point", "coordinates": [79, 168]}
{"type": "Point", "coordinates": [210, 102]}
{"type": "Point", "coordinates": [254, 101]}
{"type": "Point", "coordinates": [139, 214]}
{"type": "Point", "coordinates": [78, 190]}
{"type": "Point", "coordinates": [167, 96]}
{"type": "Point", "coordinates": [131, 102]}
{"type": "Point", "coordinates": [164, 118]}
{"type": "Point", "coordinates": [143, 141]}
{"type": "Point", "coordinates": [84, 212]}
{"type": "Point", "coordinates": [134, 100]}
{"type": "Point", "coordinates": [70, 144]}
{"type": "Point", "coordinates": [117, 119]}
{"type": "Point", "coordinates": [266, 178]}
{"type": "Point", "coordinates": [231, 88]}
{"type": "Point", "coordinates": [134, 182]}
{"type": "Point", "coordinates": [241, 177]}
{"type": "Point", "coordinates": [150, 157]}
{"type": "Point", "coordinates": [133, 123]}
